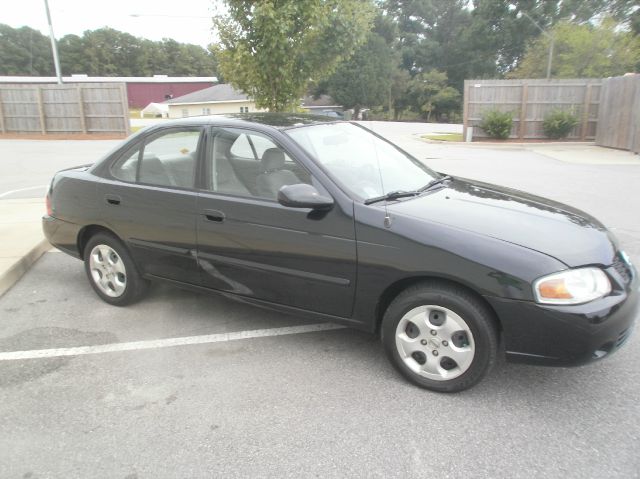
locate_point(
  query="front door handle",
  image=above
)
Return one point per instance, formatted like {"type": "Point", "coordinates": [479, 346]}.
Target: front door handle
{"type": "Point", "coordinates": [214, 215]}
{"type": "Point", "coordinates": [112, 199]}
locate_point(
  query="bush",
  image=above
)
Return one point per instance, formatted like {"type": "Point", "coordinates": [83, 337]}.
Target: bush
{"type": "Point", "coordinates": [558, 124]}
{"type": "Point", "coordinates": [497, 124]}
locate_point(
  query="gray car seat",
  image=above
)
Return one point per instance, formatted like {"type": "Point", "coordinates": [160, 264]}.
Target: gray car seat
{"type": "Point", "coordinates": [227, 181]}
{"type": "Point", "coordinates": [274, 176]}
{"type": "Point", "coordinates": [153, 171]}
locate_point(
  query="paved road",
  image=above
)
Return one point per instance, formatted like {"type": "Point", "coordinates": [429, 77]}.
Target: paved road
{"type": "Point", "coordinates": [27, 166]}
{"type": "Point", "coordinates": [310, 405]}
{"type": "Point", "coordinates": [322, 404]}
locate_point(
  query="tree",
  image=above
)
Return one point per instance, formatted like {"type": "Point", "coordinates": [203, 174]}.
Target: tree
{"type": "Point", "coordinates": [432, 96]}
{"type": "Point", "coordinates": [24, 51]}
{"type": "Point", "coordinates": [102, 52]}
{"type": "Point", "coordinates": [483, 38]}
{"type": "Point", "coordinates": [399, 98]}
{"type": "Point", "coordinates": [74, 59]}
{"type": "Point", "coordinates": [271, 49]}
{"type": "Point", "coordinates": [431, 34]}
{"type": "Point", "coordinates": [365, 79]}
{"type": "Point", "coordinates": [505, 27]}
{"type": "Point", "coordinates": [583, 51]}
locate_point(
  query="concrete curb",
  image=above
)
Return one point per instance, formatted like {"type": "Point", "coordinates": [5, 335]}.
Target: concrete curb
{"type": "Point", "coordinates": [20, 267]}
{"type": "Point", "coordinates": [505, 144]}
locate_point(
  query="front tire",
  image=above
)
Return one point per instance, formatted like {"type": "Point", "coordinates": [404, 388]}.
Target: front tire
{"type": "Point", "coordinates": [111, 271]}
{"type": "Point", "coordinates": [440, 336]}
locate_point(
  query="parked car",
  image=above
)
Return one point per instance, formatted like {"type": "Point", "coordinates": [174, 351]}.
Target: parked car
{"type": "Point", "coordinates": [331, 114]}
{"type": "Point", "coordinates": [327, 220]}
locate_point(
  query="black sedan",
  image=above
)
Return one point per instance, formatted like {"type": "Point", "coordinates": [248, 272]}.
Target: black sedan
{"type": "Point", "coordinates": [325, 219]}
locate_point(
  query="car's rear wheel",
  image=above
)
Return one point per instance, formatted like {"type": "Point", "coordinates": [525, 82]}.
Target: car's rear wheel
{"type": "Point", "coordinates": [440, 336]}
{"type": "Point", "coordinates": [111, 271]}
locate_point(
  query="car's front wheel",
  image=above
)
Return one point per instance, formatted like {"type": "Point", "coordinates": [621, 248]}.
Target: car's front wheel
{"type": "Point", "coordinates": [111, 271]}
{"type": "Point", "coordinates": [440, 336]}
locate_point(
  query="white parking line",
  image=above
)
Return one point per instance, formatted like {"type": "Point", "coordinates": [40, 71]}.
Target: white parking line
{"type": "Point", "coordinates": [7, 193]}
{"type": "Point", "coordinates": [165, 343]}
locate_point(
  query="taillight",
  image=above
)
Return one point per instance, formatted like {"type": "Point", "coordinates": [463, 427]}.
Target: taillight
{"type": "Point", "coordinates": [48, 203]}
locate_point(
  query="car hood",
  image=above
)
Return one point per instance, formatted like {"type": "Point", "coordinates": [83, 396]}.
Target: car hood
{"type": "Point", "coordinates": [565, 233]}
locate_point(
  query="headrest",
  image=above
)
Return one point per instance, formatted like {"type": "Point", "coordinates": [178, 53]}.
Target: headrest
{"type": "Point", "coordinates": [272, 159]}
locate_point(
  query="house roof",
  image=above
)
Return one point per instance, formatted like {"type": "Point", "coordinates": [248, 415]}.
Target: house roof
{"type": "Point", "coordinates": [155, 108]}
{"type": "Point", "coordinates": [214, 94]}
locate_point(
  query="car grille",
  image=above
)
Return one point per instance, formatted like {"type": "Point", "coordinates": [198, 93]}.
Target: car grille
{"type": "Point", "coordinates": [622, 268]}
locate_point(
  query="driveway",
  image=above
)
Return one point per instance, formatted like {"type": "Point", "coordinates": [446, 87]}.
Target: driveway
{"type": "Point", "coordinates": [292, 399]}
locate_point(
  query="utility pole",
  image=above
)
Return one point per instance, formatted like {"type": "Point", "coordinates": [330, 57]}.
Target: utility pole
{"type": "Point", "coordinates": [550, 36]}
{"type": "Point", "coordinates": [54, 46]}
{"type": "Point", "coordinates": [546, 34]}
{"type": "Point", "coordinates": [551, 42]}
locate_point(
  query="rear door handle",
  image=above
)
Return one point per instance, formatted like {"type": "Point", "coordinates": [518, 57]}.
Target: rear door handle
{"type": "Point", "coordinates": [112, 199]}
{"type": "Point", "coordinates": [214, 215]}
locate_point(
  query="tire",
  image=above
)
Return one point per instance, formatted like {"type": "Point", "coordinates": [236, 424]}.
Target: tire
{"type": "Point", "coordinates": [439, 336]}
{"type": "Point", "coordinates": [111, 271]}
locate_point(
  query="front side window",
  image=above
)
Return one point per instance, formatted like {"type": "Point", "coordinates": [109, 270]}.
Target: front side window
{"type": "Point", "coordinates": [250, 164]}
{"type": "Point", "coordinates": [364, 164]}
{"type": "Point", "coordinates": [165, 160]}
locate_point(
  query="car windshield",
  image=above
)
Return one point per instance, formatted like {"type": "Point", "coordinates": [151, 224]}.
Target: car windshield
{"type": "Point", "coordinates": [364, 164]}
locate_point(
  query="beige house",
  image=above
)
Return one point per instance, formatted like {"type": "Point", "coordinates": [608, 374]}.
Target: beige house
{"type": "Point", "coordinates": [222, 98]}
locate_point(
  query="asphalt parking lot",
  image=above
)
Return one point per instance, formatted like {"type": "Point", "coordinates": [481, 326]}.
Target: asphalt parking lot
{"type": "Point", "coordinates": [299, 403]}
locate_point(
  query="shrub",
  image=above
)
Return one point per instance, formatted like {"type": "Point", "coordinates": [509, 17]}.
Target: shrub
{"type": "Point", "coordinates": [497, 124]}
{"type": "Point", "coordinates": [558, 124]}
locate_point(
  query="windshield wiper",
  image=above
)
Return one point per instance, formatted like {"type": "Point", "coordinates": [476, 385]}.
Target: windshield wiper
{"type": "Point", "coordinates": [392, 195]}
{"type": "Point", "coordinates": [433, 183]}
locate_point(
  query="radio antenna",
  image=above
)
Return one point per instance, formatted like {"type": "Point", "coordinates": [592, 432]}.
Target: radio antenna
{"type": "Point", "coordinates": [387, 218]}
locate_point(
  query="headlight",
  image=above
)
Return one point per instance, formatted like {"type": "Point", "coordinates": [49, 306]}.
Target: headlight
{"type": "Point", "coordinates": [573, 286]}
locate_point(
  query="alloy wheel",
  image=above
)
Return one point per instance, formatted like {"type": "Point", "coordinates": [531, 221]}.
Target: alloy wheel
{"type": "Point", "coordinates": [435, 342]}
{"type": "Point", "coordinates": [107, 270]}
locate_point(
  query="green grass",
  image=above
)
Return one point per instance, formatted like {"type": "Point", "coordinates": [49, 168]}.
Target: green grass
{"type": "Point", "coordinates": [443, 136]}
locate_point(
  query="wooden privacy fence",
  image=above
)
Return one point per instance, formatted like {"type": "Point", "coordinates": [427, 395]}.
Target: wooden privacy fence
{"type": "Point", "coordinates": [619, 117]}
{"type": "Point", "coordinates": [77, 108]}
{"type": "Point", "coordinates": [530, 101]}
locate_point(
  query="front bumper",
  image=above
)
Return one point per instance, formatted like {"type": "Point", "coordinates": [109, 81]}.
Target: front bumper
{"type": "Point", "coordinates": [568, 335]}
{"type": "Point", "coordinates": [62, 234]}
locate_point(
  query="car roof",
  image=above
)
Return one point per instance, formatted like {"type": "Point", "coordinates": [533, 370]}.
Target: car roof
{"type": "Point", "coordinates": [278, 121]}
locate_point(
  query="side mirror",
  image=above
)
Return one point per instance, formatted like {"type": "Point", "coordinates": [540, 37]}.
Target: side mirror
{"type": "Point", "coordinates": [303, 196]}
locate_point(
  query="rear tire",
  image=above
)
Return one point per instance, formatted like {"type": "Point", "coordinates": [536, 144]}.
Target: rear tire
{"type": "Point", "coordinates": [111, 271]}
{"type": "Point", "coordinates": [440, 336]}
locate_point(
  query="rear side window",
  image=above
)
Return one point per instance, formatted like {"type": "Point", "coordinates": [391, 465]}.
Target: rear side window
{"type": "Point", "coordinates": [165, 160]}
{"type": "Point", "coordinates": [125, 168]}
